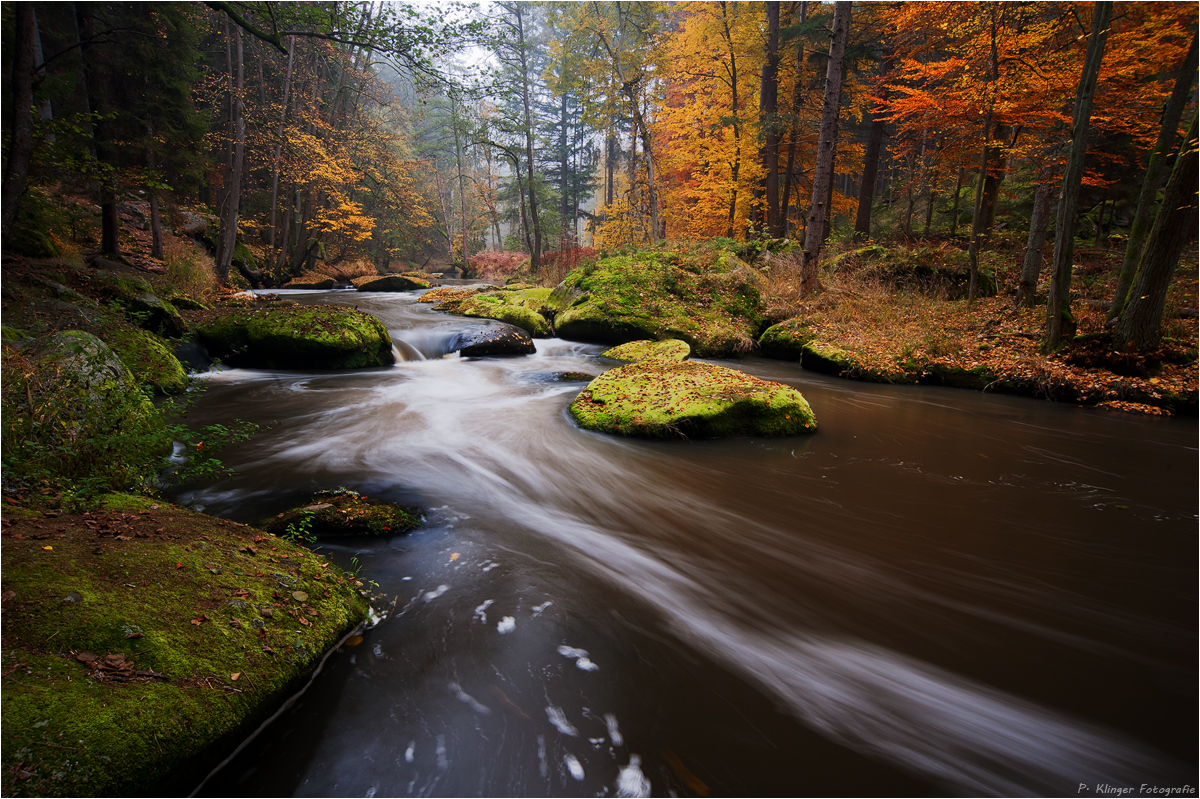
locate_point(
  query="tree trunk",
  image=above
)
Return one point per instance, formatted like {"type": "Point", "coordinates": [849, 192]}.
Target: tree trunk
{"type": "Point", "coordinates": [978, 214]}
{"type": "Point", "coordinates": [768, 113]}
{"type": "Point", "coordinates": [20, 150]}
{"type": "Point", "coordinates": [866, 186]}
{"type": "Point", "coordinates": [1140, 325]}
{"type": "Point", "coordinates": [1032, 267]}
{"type": "Point", "coordinates": [797, 104]}
{"type": "Point", "coordinates": [287, 87]}
{"type": "Point", "coordinates": [1059, 322]}
{"type": "Point", "coordinates": [736, 166]}
{"type": "Point", "coordinates": [818, 215]}
{"type": "Point", "coordinates": [535, 254]}
{"type": "Point", "coordinates": [957, 198]}
{"type": "Point", "coordinates": [227, 236]}
{"type": "Point", "coordinates": [1172, 113]}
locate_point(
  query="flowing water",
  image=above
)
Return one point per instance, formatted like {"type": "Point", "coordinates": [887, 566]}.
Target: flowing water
{"type": "Point", "coordinates": [940, 592]}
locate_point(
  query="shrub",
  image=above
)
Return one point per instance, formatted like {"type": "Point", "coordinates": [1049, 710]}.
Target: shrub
{"type": "Point", "coordinates": [496, 266]}
{"type": "Point", "coordinates": [189, 270]}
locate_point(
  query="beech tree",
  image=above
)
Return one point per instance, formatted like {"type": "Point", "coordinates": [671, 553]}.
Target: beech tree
{"type": "Point", "coordinates": [818, 215]}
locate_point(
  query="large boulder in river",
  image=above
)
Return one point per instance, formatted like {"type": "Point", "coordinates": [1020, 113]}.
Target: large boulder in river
{"type": "Point", "coordinates": [343, 512]}
{"type": "Point", "coordinates": [656, 295]}
{"type": "Point", "coordinates": [389, 283]}
{"type": "Point", "coordinates": [296, 337]}
{"type": "Point", "coordinates": [672, 350]}
{"type": "Point", "coordinates": [501, 340]}
{"type": "Point", "coordinates": [662, 399]}
{"type": "Point", "coordinates": [521, 307]}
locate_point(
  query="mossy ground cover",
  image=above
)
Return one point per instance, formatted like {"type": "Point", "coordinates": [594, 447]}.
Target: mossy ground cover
{"type": "Point", "coordinates": [661, 399]}
{"type": "Point", "coordinates": [864, 328]}
{"type": "Point", "coordinates": [713, 306]}
{"type": "Point", "coordinates": [141, 641]}
{"type": "Point", "coordinates": [283, 337]}
{"type": "Point", "coordinates": [671, 350]}
{"type": "Point", "coordinates": [344, 512]}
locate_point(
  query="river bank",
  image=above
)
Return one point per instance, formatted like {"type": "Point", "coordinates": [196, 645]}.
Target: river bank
{"type": "Point", "coordinates": [144, 641]}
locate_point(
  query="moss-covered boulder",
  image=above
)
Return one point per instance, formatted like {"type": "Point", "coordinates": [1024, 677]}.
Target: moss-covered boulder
{"type": "Point", "coordinates": [501, 340]}
{"type": "Point", "coordinates": [149, 359]}
{"type": "Point", "coordinates": [661, 399]}
{"type": "Point", "coordinates": [297, 337]}
{"type": "Point", "coordinates": [73, 411]}
{"type": "Point", "coordinates": [655, 295]}
{"type": "Point", "coordinates": [313, 284]}
{"type": "Point", "coordinates": [389, 283]}
{"type": "Point", "coordinates": [785, 341]}
{"type": "Point", "coordinates": [672, 350]}
{"type": "Point", "coordinates": [143, 642]}
{"type": "Point", "coordinates": [343, 512]}
{"type": "Point", "coordinates": [443, 293]}
{"type": "Point", "coordinates": [521, 307]}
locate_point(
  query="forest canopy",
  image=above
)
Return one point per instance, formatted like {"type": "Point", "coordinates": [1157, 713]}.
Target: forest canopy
{"type": "Point", "coordinates": [293, 137]}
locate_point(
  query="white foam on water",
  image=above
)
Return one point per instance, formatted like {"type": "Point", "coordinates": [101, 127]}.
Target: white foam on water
{"type": "Point", "coordinates": [559, 720]}
{"type": "Point", "coordinates": [506, 625]}
{"type": "Point", "coordinates": [437, 592]}
{"type": "Point", "coordinates": [480, 611]}
{"type": "Point", "coordinates": [631, 781]}
{"type": "Point", "coordinates": [574, 766]}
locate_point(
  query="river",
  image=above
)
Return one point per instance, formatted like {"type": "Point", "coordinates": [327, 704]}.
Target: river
{"type": "Point", "coordinates": [940, 592]}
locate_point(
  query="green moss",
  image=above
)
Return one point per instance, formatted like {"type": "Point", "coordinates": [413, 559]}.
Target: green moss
{"type": "Point", "coordinates": [176, 594]}
{"type": "Point", "coordinates": [73, 412]}
{"type": "Point", "coordinates": [344, 512]}
{"type": "Point", "coordinates": [660, 398]}
{"type": "Point", "coordinates": [786, 340]}
{"type": "Point", "coordinates": [518, 306]}
{"type": "Point", "coordinates": [321, 337]}
{"type": "Point", "coordinates": [671, 350]}
{"type": "Point", "coordinates": [654, 295]}
{"type": "Point", "coordinates": [151, 362]}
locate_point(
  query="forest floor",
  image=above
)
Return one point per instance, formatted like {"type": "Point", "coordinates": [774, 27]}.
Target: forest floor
{"type": "Point", "coordinates": [885, 326]}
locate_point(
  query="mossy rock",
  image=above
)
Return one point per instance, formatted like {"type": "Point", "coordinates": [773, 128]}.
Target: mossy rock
{"type": "Point", "coordinates": [315, 285]}
{"type": "Point", "coordinates": [825, 358]}
{"type": "Point", "coordinates": [142, 645]}
{"type": "Point", "coordinates": [389, 283]}
{"type": "Point", "coordinates": [661, 399]}
{"type": "Point", "coordinates": [344, 512]}
{"type": "Point", "coordinates": [73, 411]}
{"type": "Point", "coordinates": [517, 306]}
{"type": "Point", "coordinates": [977, 378]}
{"type": "Point", "coordinates": [655, 295]}
{"type": "Point", "coordinates": [149, 359]}
{"type": "Point", "coordinates": [671, 350]}
{"type": "Point", "coordinates": [298, 337]}
{"type": "Point", "coordinates": [444, 293]}
{"type": "Point", "coordinates": [785, 341]}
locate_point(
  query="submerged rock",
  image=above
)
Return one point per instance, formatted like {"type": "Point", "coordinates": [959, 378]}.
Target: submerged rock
{"type": "Point", "coordinates": [502, 340]}
{"type": "Point", "coordinates": [297, 337]}
{"type": "Point", "coordinates": [343, 512]}
{"type": "Point", "coordinates": [389, 283]}
{"type": "Point", "coordinates": [660, 398]}
{"type": "Point", "coordinates": [672, 350]}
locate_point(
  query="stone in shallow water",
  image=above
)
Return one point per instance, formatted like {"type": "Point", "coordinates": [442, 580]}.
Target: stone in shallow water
{"type": "Point", "coordinates": [503, 340]}
{"type": "Point", "coordinates": [663, 399]}
{"type": "Point", "coordinates": [671, 349]}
